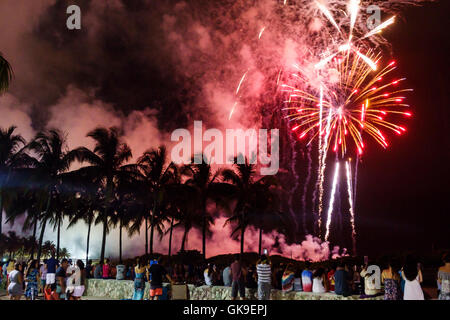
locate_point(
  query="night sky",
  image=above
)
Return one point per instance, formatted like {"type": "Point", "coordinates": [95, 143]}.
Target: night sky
{"type": "Point", "coordinates": [403, 193]}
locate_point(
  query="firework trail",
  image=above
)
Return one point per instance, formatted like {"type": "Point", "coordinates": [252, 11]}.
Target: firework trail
{"type": "Point", "coordinates": [320, 169]}
{"type": "Point", "coordinates": [305, 187]}
{"type": "Point", "coordinates": [350, 201]}
{"type": "Point", "coordinates": [297, 179]}
{"type": "Point", "coordinates": [355, 179]}
{"type": "Point", "coordinates": [330, 207]}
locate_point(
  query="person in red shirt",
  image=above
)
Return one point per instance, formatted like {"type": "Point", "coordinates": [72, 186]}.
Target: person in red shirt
{"type": "Point", "coordinates": [106, 269]}
{"type": "Point", "coordinates": [330, 277]}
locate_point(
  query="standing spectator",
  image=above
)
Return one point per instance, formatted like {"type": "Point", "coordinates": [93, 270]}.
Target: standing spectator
{"type": "Point", "coordinates": [178, 274]}
{"type": "Point", "coordinates": [279, 277]}
{"type": "Point", "coordinates": [226, 276]}
{"type": "Point", "coordinates": [287, 280]}
{"type": "Point", "coordinates": [357, 287]}
{"type": "Point", "coordinates": [11, 267]}
{"type": "Point", "coordinates": [61, 282]}
{"type": "Point", "coordinates": [120, 272]}
{"type": "Point", "coordinates": [106, 269]}
{"type": "Point", "coordinates": [113, 272]}
{"type": "Point", "coordinates": [341, 280]}
{"type": "Point", "coordinates": [32, 280]}
{"type": "Point", "coordinates": [319, 281]}
{"type": "Point", "coordinates": [307, 278]}
{"type": "Point", "coordinates": [76, 282]}
{"type": "Point", "coordinates": [264, 272]}
{"type": "Point", "coordinates": [43, 274]}
{"type": "Point", "coordinates": [237, 276]}
{"type": "Point", "coordinates": [298, 280]}
{"type": "Point", "coordinates": [157, 272]}
{"type": "Point", "coordinates": [330, 276]}
{"type": "Point", "coordinates": [413, 277]}
{"type": "Point", "coordinates": [98, 271]}
{"type": "Point", "coordinates": [15, 282]}
{"type": "Point", "coordinates": [370, 282]}
{"type": "Point", "coordinates": [391, 281]}
{"type": "Point", "coordinates": [208, 274]}
{"type": "Point", "coordinates": [88, 270]}
{"type": "Point", "coordinates": [52, 264]}
{"type": "Point", "coordinates": [139, 280]}
{"type": "Point", "coordinates": [250, 278]}
{"type": "Point", "coordinates": [444, 279]}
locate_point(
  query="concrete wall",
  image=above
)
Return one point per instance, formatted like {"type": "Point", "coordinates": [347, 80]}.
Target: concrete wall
{"type": "Point", "coordinates": [124, 289]}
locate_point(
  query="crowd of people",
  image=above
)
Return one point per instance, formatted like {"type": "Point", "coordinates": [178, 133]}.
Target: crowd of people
{"type": "Point", "coordinates": [54, 279]}
{"type": "Point", "coordinates": [394, 281]}
{"type": "Point", "coordinates": [64, 280]}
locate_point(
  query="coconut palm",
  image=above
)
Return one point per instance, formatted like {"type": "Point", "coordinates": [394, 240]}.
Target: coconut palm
{"type": "Point", "coordinates": [207, 187]}
{"type": "Point", "coordinates": [12, 157]}
{"type": "Point", "coordinates": [156, 175]}
{"type": "Point", "coordinates": [107, 163]}
{"type": "Point", "coordinates": [48, 248]}
{"type": "Point", "coordinates": [13, 243]}
{"type": "Point", "coordinates": [6, 74]}
{"type": "Point", "coordinates": [86, 205]}
{"type": "Point", "coordinates": [64, 253]}
{"type": "Point", "coordinates": [54, 160]}
{"type": "Point", "coordinates": [123, 206]}
{"type": "Point", "coordinates": [250, 194]}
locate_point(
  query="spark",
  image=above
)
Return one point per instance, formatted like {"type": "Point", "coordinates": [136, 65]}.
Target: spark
{"type": "Point", "coordinates": [261, 32]}
{"type": "Point", "coordinates": [380, 27]}
{"type": "Point", "coordinates": [350, 201]}
{"type": "Point", "coordinates": [330, 207]}
{"type": "Point", "coordinates": [328, 14]}
{"type": "Point", "coordinates": [354, 106]}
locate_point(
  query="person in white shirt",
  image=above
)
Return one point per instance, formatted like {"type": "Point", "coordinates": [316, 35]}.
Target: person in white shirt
{"type": "Point", "coordinates": [75, 281]}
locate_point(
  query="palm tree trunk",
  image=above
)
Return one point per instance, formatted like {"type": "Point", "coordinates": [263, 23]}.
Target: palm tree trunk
{"type": "Point", "coordinates": [242, 239]}
{"type": "Point", "coordinates": [120, 241]}
{"type": "Point", "coordinates": [105, 226]}
{"type": "Point", "coordinates": [204, 233]}
{"type": "Point", "coordinates": [41, 238]}
{"type": "Point", "coordinates": [43, 223]}
{"type": "Point", "coordinates": [109, 192]}
{"type": "Point", "coordinates": [152, 230]}
{"type": "Point", "coordinates": [34, 238]}
{"type": "Point", "coordinates": [87, 242]}
{"type": "Point", "coordinates": [170, 237]}
{"type": "Point", "coordinates": [146, 236]}
{"type": "Point", "coordinates": [183, 241]}
{"type": "Point", "coordinates": [58, 238]}
{"type": "Point", "coordinates": [260, 241]}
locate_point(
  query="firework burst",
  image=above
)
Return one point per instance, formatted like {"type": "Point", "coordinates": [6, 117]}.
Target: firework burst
{"type": "Point", "coordinates": [356, 101]}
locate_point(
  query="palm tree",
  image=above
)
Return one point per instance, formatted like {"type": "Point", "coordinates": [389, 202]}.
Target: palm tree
{"type": "Point", "coordinates": [64, 253]}
{"type": "Point", "coordinates": [54, 161]}
{"type": "Point", "coordinates": [6, 74]}
{"type": "Point", "coordinates": [107, 164]}
{"type": "Point", "coordinates": [12, 156]}
{"type": "Point", "coordinates": [156, 175]}
{"type": "Point", "coordinates": [123, 206]}
{"type": "Point", "coordinates": [14, 243]}
{"type": "Point", "coordinates": [86, 205]}
{"type": "Point", "coordinates": [249, 194]}
{"type": "Point", "coordinates": [48, 247]}
{"type": "Point", "coordinates": [207, 187]}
